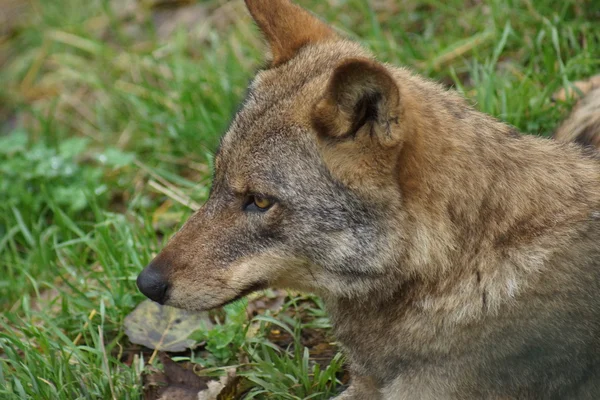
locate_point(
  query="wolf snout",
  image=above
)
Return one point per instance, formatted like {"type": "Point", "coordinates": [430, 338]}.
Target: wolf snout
{"type": "Point", "coordinates": [153, 284]}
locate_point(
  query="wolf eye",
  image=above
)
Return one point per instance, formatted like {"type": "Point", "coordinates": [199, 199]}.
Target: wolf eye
{"type": "Point", "coordinates": [258, 203]}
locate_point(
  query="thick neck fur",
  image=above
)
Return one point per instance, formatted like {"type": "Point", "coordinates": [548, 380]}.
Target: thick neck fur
{"type": "Point", "coordinates": [483, 208]}
{"type": "Point", "coordinates": [484, 215]}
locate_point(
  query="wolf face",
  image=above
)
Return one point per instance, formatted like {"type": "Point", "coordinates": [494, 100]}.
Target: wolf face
{"type": "Point", "coordinates": [285, 209]}
{"type": "Point", "coordinates": [457, 259]}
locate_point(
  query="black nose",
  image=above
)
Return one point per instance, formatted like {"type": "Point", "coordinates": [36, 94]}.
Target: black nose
{"type": "Point", "coordinates": [153, 284]}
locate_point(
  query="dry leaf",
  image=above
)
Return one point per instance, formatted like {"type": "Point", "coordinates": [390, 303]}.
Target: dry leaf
{"type": "Point", "coordinates": [162, 327]}
{"type": "Point", "coordinates": [174, 383]}
{"type": "Point", "coordinates": [179, 382]}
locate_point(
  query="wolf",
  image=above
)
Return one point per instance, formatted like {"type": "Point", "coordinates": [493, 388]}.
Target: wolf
{"type": "Point", "coordinates": [457, 258]}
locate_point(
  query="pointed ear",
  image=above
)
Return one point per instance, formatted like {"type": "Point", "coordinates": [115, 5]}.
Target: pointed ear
{"type": "Point", "coordinates": [360, 94]}
{"type": "Point", "coordinates": [287, 27]}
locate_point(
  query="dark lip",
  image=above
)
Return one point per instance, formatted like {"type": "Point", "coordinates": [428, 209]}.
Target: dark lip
{"type": "Point", "coordinates": [260, 285]}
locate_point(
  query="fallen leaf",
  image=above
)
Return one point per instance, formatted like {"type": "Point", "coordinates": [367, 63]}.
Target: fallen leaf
{"type": "Point", "coordinates": [164, 328]}
{"type": "Point", "coordinates": [173, 383]}
{"type": "Point", "coordinates": [179, 382]}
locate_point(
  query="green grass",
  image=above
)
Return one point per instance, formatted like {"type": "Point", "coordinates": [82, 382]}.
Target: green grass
{"type": "Point", "coordinates": [107, 143]}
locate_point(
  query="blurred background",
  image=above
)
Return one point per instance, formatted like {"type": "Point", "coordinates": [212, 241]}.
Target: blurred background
{"type": "Point", "coordinates": [109, 113]}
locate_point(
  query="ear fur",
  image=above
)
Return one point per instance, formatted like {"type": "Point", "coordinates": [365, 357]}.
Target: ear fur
{"type": "Point", "coordinates": [360, 93]}
{"type": "Point", "coordinates": [287, 27]}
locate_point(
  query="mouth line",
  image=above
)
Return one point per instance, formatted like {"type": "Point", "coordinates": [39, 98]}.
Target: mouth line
{"type": "Point", "coordinates": [260, 285]}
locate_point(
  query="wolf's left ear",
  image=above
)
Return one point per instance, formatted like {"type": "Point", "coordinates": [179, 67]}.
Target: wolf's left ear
{"type": "Point", "coordinates": [287, 27]}
{"type": "Point", "coordinates": [361, 94]}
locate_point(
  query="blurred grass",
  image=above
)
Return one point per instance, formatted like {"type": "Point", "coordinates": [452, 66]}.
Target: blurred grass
{"type": "Point", "coordinates": [110, 111]}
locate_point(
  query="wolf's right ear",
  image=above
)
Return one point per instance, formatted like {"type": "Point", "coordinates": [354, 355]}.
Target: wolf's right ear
{"type": "Point", "coordinates": [361, 95]}
{"type": "Point", "coordinates": [287, 27]}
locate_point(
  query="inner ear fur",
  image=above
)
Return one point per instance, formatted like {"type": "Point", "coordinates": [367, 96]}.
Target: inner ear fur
{"type": "Point", "coordinates": [360, 94]}
{"type": "Point", "coordinates": [287, 27]}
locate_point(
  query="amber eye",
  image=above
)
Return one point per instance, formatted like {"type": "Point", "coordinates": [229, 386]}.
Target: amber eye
{"type": "Point", "coordinates": [262, 202]}
{"type": "Point", "coordinates": [258, 203]}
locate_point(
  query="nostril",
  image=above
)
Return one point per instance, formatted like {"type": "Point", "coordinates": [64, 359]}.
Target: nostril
{"type": "Point", "coordinates": [162, 290]}
{"type": "Point", "coordinates": [153, 284]}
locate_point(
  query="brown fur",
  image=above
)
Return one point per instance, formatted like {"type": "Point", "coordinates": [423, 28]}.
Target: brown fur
{"type": "Point", "coordinates": [287, 27]}
{"type": "Point", "coordinates": [457, 258]}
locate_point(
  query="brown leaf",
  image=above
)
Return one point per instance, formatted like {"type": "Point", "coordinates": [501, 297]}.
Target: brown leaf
{"type": "Point", "coordinates": [153, 382]}
{"type": "Point", "coordinates": [179, 376]}
{"type": "Point", "coordinates": [174, 383]}
{"type": "Point", "coordinates": [179, 382]}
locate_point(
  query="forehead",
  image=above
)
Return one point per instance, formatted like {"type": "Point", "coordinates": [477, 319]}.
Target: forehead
{"type": "Point", "coordinates": [270, 108]}
{"type": "Point", "coordinates": [271, 135]}
{"type": "Point", "coordinates": [269, 160]}
{"type": "Point", "coordinates": [283, 96]}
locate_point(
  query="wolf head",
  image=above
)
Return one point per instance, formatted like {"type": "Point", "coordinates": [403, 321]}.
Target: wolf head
{"type": "Point", "coordinates": [305, 193]}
